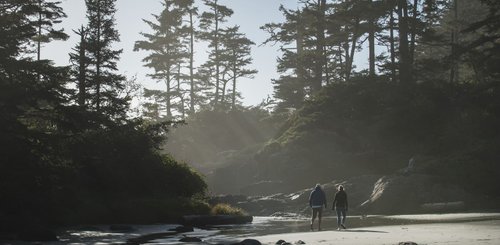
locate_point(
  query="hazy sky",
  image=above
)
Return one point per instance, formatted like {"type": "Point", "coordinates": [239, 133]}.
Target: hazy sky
{"type": "Point", "coordinates": [249, 14]}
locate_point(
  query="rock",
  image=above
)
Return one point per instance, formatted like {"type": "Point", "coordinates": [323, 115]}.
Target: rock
{"type": "Point", "coordinates": [282, 242]}
{"type": "Point", "coordinates": [182, 229]}
{"type": "Point", "coordinates": [190, 239]}
{"type": "Point", "coordinates": [249, 242]}
{"type": "Point", "coordinates": [300, 242]}
{"type": "Point", "coordinates": [37, 234]}
{"type": "Point", "coordinates": [407, 243]}
{"type": "Point", "coordinates": [408, 194]}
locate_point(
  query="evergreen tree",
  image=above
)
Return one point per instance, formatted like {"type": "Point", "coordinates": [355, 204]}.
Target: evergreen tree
{"type": "Point", "coordinates": [79, 62]}
{"type": "Point", "coordinates": [106, 84]}
{"type": "Point", "coordinates": [49, 14]}
{"type": "Point", "coordinates": [237, 54]}
{"type": "Point", "coordinates": [210, 23]}
{"type": "Point", "coordinates": [33, 118]}
{"type": "Point", "coordinates": [192, 11]}
{"type": "Point", "coordinates": [290, 87]}
{"type": "Point", "coordinates": [168, 50]}
{"type": "Point", "coordinates": [405, 64]}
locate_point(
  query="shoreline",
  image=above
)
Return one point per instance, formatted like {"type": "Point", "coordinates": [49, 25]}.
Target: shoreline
{"type": "Point", "coordinates": [454, 233]}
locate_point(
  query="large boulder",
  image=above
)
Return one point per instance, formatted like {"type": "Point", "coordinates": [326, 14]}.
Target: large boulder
{"type": "Point", "coordinates": [248, 242]}
{"type": "Point", "coordinates": [409, 194]}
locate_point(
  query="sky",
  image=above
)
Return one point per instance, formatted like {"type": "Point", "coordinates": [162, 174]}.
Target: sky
{"type": "Point", "coordinates": [248, 14]}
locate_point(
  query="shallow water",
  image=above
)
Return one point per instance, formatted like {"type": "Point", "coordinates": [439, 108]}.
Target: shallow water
{"type": "Point", "coordinates": [100, 234]}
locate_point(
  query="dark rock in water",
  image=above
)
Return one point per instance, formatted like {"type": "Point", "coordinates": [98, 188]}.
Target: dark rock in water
{"type": "Point", "coordinates": [182, 229]}
{"type": "Point", "coordinates": [282, 242]}
{"type": "Point", "coordinates": [121, 228]}
{"type": "Point", "coordinates": [249, 242]}
{"type": "Point", "coordinates": [190, 239]}
{"type": "Point", "coordinates": [300, 242]}
{"type": "Point", "coordinates": [204, 220]}
{"type": "Point", "coordinates": [407, 243]}
{"type": "Point", "coordinates": [37, 234]}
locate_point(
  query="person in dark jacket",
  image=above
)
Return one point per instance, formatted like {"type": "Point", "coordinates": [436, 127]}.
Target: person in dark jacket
{"type": "Point", "coordinates": [317, 200]}
{"type": "Point", "coordinates": [340, 205]}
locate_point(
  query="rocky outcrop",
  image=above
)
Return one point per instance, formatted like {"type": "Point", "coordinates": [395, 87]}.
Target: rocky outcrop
{"type": "Point", "coordinates": [367, 194]}
{"type": "Point", "coordinates": [410, 194]}
{"type": "Point", "coordinates": [284, 204]}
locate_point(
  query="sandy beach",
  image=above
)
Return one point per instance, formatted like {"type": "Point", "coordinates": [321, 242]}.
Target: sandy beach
{"type": "Point", "coordinates": [473, 232]}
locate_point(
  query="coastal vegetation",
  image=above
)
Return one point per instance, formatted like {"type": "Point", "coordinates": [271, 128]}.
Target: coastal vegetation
{"type": "Point", "coordinates": [75, 148]}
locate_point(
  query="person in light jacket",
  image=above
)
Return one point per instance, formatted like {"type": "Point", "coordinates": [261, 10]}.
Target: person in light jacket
{"type": "Point", "coordinates": [317, 200]}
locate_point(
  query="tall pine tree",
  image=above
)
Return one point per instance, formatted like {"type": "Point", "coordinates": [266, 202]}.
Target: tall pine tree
{"type": "Point", "coordinates": [105, 81]}
{"type": "Point", "coordinates": [210, 23]}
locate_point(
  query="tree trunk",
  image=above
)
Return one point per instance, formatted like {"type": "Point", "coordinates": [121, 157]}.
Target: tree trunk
{"type": "Point", "coordinates": [341, 61]}
{"type": "Point", "coordinates": [223, 96]}
{"type": "Point", "coordinates": [191, 61]}
{"type": "Point", "coordinates": [404, 59]}
{"type": "Point", "coordinates": [168, 94]}
{"type": "Point", "coordinates": [82, 71]}
{"type": "Point", "coordinates": [454, 38]}
{"type": "Point", "coordinates": [98, 59]}
{"type": "Point", "coordinates": [393, 47]}
{"type": "Point", "coordinates": [301, 73]}
{"type": "Point", "coordinates": [233, 101]}
{"type": "Point", "coordinates": [413, 31]}
{"type": "Point", "coordinates": [350, 58]}
{"type": "Point", "coordinates": [320, 46]}
{"type": "Point", "coordinates": [371, 41]}
{"type": "Point", "coordinates": [217, 62]}
{"type": "Point", "coordinates": [39, 41]}
{"type": "Point", "coordinates": [181, 96]}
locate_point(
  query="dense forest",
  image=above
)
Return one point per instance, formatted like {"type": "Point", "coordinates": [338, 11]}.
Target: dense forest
{"type": "Point", "coordinates": [73, 151]}
{"type": "Point", "coordinates": [429, 92]}
{"type": "Point", "coordinates": [70, 151]}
